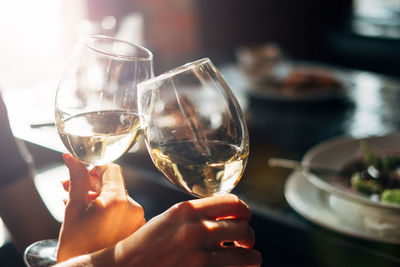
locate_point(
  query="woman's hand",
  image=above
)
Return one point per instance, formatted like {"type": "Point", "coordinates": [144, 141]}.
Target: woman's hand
{"type": "Point", "coordinates": [99, 212]}
{"type": "Point", "coordinates": [192, 233]}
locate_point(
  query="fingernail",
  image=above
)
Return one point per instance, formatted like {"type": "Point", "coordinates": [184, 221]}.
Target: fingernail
{"type": "Point", "coordinates": [65, 185]}
{"type": "Point", "coordinates": [67, 159]}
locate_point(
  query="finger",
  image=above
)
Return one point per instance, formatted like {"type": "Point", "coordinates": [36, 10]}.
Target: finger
{"type": "Point", "coordinates": [91, 196]}
{"type": "Point", "coordinates": [95, 184]}
{"type": "Point", "coordinates": [109, 172]}
{"type": "Point", "coordinates": [235, 256]}
{"type": "Point", "coordinates": [79, 181]}
{"type": "Point", "coordinates": [112, 182]}
{"type": "Point", "coordinates": [235, 231]}
{"type": "Point", "coordinates": [219, 207]}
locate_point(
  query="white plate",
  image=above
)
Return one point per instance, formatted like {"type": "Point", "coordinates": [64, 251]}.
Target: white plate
{"type": "Point", "coordinates": [336, 153]}
{"type": "Point", "coordinates": [340, 215]}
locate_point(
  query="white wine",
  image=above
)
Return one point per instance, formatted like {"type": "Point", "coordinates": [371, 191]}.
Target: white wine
{"type": "Point", "coordinates": [202, 168]}
{"type": "Point", "coordinates": [100, 137]}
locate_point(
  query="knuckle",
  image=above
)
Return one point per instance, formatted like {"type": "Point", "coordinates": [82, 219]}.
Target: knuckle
{"type": "Point", "coordinates": [137, 209]}
{"type": "Point", "coordinates": [114, 167]}
{"type": "Point", "coordinates": [239, 206]}
{"type": "Point", "coordinates": [183, 209]}
{"type": "Point", "coordinates": [234, 198]}
{"type": "Point", "coordinates": [117, 204]}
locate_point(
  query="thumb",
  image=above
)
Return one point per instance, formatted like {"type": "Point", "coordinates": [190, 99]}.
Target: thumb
{"type": "Point", "coordinates": [79, 181]}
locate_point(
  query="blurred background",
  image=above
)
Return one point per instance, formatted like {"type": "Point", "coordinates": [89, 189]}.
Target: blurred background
{"type": "Point", "coordinates": [37, 37]}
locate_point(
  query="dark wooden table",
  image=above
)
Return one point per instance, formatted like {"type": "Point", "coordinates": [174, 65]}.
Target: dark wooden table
{"type": "Point", "coordinates": [277, 129]}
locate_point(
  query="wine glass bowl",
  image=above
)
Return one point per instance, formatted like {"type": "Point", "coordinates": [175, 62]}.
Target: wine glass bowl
{"type": "Point", "coordinates": [96, 105]}
{"type": "Point", "coordinates": [194, 128]}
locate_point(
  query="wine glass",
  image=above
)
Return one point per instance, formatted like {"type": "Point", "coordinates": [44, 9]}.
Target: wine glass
{"type": "Point", "coordinates": [194, 128]}
{"type": "Point", "coordinates": [96, 106]}
{"type": "Point", "coordinates": [96, 109]}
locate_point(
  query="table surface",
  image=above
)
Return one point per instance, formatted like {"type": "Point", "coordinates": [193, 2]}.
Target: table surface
{"type": "Point", "coordinates": [277, 128]}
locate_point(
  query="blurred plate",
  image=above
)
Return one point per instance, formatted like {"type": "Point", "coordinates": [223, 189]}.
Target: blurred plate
{"type": "Point", "coordinates": [337, 214]}
{"type": "Point", "coordinates": [338, 152]}
{"type": "Point", "coordinates": [303, 82]}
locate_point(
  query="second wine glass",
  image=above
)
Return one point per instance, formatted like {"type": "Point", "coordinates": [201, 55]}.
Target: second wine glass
{"type": "Point", "coordinates": [194, 128]}
{"type": "Point", "coordinates": [96, 105]}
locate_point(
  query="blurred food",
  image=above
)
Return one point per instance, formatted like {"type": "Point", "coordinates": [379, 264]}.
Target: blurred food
{"type": "Point", "coordinates": [302, 79]}
{"type": "Point", "coordinates": [375, 174]}
{"type": "Point", "coordinates": [268, 70]}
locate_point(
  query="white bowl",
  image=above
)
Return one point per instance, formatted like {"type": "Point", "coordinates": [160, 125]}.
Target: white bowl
{"type": "Point", "coordinates": [379, 217]}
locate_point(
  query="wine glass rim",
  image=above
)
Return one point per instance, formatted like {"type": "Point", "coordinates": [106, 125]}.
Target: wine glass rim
{"type": "Point", "coordinates": [177, 70]}
{"type": "Point", "coordinates": [87, 42]}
